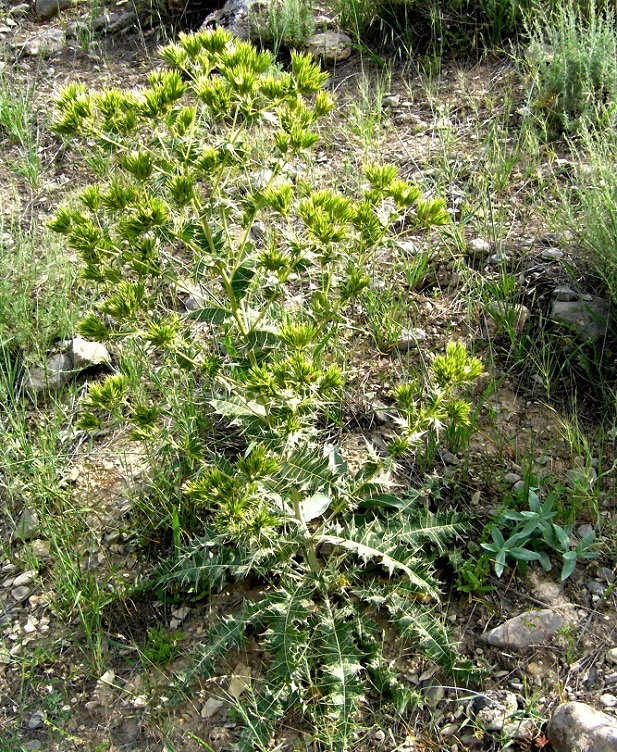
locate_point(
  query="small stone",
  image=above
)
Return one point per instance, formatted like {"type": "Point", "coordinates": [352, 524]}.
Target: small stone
{"type": "Point", "coordinates": [330, 46]}
{"type": "Point", "coordinates": [583, 530]}
{"type": "Point", "coordinates": [46, 9]}
{"type": "Point", "coordinates": [608, 700]}
{"type": "Point", "coordinates": [390, 101]}
{"type": "Point", "coordinates": [589, 320]}
{"type": "Point", "coordinates": [507, 316]}
{"type": "Point", "coordinates": [86, 354]}
{"type": "Point", "coordinates": [41, 549]}
{"type": "Point", "coordinates": [379, 736]}
{"type": "Point", "coordinates": [582, 477]}
{"type": "Point", "coordinates": [576, 726]}
{"type": "Point", "coordinates": [478, 248]}
{"type": "Point", "coordinates": [211, 707]}
{"type": "Point", "coordinates": [596, 588]}
{"type": "Point", "coordinates": [27, 525]}
{"type": "Point", "coordinates": [524, 631]}
{"type": "Point", "coordinates": [449, 730]}
{"type": "Point", "coordinates": [58, 370]}
{"type": "Point", "coordinates": [37, 719]}
{"type": "Point", "coordinates": [552, 254]}
{"type": "Point", "coordinates": [108, 677]}
{"type": "Point", "coordinates": [450, 459]}
{"type": "Point", "coordinates": [512, 478]}
{"type": "Point", "coordinates": [565, 294]}
{"type": "Point", "coordinates": [34, 744]}
{"type": "Point", "coordinates": [240, 681]}
{"type": "Point", "coordinates": [409, 339]}
{"type": "Point", "coordinates": [46, 43]}
{"type": "Point", "coordinates": [611, 655]}
{"type": "Point", "coordinates": [20, 10]}
{"type": "Point", "coordinates": [610, 678]}
{"type": "Point", "coordinates": [181, 613]}
{"type": "Point", "coordinates": [21, 593]}
{"type": "Point", "coordinates": [493, 708]}
{"type": "Point", "coordinates": [433, 693]}
{"type": "Point", "coordinates": [25, 578]}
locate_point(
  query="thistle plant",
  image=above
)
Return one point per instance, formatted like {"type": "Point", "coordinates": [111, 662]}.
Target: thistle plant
{"type": "Point", "coordinates": [189, 198]}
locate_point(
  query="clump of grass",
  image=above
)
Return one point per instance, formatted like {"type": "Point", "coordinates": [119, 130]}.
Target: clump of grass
{"type": "Point", "coordinates": [573, 62]}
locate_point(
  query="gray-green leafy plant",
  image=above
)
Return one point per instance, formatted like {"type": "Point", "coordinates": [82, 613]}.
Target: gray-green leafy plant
{"type": "Point", "coordinates": [285, 23]}
{"type": "Point", "coordinates": [573, 62]}
{"type": "Point", "coordinates": [191, 201]}
{"type": "Point", "coordinates": [531, 534]}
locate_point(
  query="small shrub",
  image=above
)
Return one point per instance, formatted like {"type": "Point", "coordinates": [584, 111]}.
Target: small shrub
{"type": "Point", "coordinates": [199, 189]}
{"type": "Point", "coordinates": [573, 61]}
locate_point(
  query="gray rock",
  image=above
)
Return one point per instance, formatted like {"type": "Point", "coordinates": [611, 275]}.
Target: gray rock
{"type": "Point", "coordinates": [552, 254]}
{"type": "Point", "coordinates": [611, 655]}
{"type": "Point", "coordinates": [211, 707]}
{"type": "Point", "coordinates": [596, 588]}
{"type": "Point", "coordinates": [21, 593]}
{"type": "Point", "coordinates": [607, 574]}
{"type": "Point", "coordinates": [582, 477]}
{"type": "Point", "coordinates": [58, 370]}
{"type": "Point", "coordinates": [86, 354]}
{"type": "Point", "coordinates": [433, 693]}
{"type": "Point", "coordinates": [108, 23]}
{"type": "Point", "coordinates": [46, 9]}
{"type": "Point", "coordinates": [390, 101]}
{"type": "Point", "coordinates": [584, 530]}
{"type": "Point", "coordinates": [589, 319]}
{"type": "Point", "coordinates": [27, 525]}
{"type": "Point", "coordinates": [565, 294]}
{"type": "Point", "coordinates": [576, 727]}
{"type": "Point", "coordinates": [330, 46]}
{"type": "Point", "coordinates": [506, 315]}
{"type": "Point", "coordinates": [409, 339]}
{"type": "Point", "coordinates": [478, 248]}
{"type": "Point", "coordinates": [46, 43]}
{"type": "Point", "coordinates": [512, 478]}
{"type": "Point", "coordinates": [235, 16]}
{"type": "Point", "coordinates": [493, 708]}
{"type": "Point", "coordinates": [527, 630]}
{"type": "Point", "coordinates": [37, 719]}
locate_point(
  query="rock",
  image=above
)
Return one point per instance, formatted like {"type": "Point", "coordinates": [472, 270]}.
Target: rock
{"type": "Point", "coordinates": [330, 46]}
{"type": "Point", "coordinates": [506, 316]}
{"type": "Point", "coordinates": [611, 655]}
{"type": "Point", "coordinates": [235, 17]}
{"type": "Point", "coordinates": [565, 294]}
{"type": "Point", "coordinates": [493, 708]}
{"type": "Point", "coordinates": [108, 23]}
{"type": "Point", "coordinates": [46, 9]}
{"type": "Point", "coordinates": [46, 43]}
{"type": "Point", "coordinates": [512, 478]}
{"type": "Point", "coordinates": [608, 700]}
{"type": "Point", "coordinates": [527, 630]}
{"type": "Point", "coordinates": [27, 525]}
{"type": "Point", "coordinates": [240, 681]}
{"type": "Point", "coordinates": [37, 719]}
{"type": "Point", "coordinates": [409, 339]}
{"type": "Point", "coordinates": [575, 727]}
{"type": "Point", "coordinates": [596, 588]}
{"type": "Point", "coordinates": [433, 693]}
{"type": "Point", "coordinates": [478, 248]}
{"type": "Point", "coordinates": [607, 574]}
{"type": "Point", "coordinates": [552, 254]}
{"type": "Point", "coordinates": [211, 707]}
{"type": "Point", "coordinates": [20, 10]}
{"type": "Point", "coordinates": [390, 101]}
{"type": "Point", "coordinates": [589, 319]}
{"type": "Point", "coordinates": [56, 373]}
{"type": "Point", "coordinates": [25, 578]}
{"type": "Point", "coordinates": [584, 530]}
{"type": "Point", "coordinates": [86, 354]}
{"type": "Point", "coordinates": [21, 593]}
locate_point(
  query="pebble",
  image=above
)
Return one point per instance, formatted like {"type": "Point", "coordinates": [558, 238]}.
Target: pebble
{"type": "Point", "coordinates": [211, 707]}
{"type": "Point", "coordinates": [37, 719]}
{"type": "Point", "coordinates": [524, 631]}
{"type": "Point", "coordinates": [608, 700]}
{"type": "Point", "coordinates": [584, 530]}
{"type": "Point", "coordinates": [21, 593]}
{"type": "Point", "coordinates": [552, 254]}
{"type": "Point", "coordinates": [24, 579]}
{"type": "Point", "coordinates": [512, 478]}
{"type": "Point", "coordinates": [379, 736]}
{"type": "Point", "coordinates": [606, 574]}
{"type": "Point", "coordinates": [478, 248]}
{"type": "Point", "coordinates": [596, 588]}
{"type": "Point", "coordinates": [611, 655]}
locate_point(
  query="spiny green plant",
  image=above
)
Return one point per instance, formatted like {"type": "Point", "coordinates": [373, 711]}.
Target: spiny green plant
{"type": "Point", "coordinates": [264, 492]}
{"type": "Point", "coordinates": [287, 23]}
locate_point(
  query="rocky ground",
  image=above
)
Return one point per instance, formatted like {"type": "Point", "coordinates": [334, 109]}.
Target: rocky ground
{"type": "Point", "coordinates": [549, 648]}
